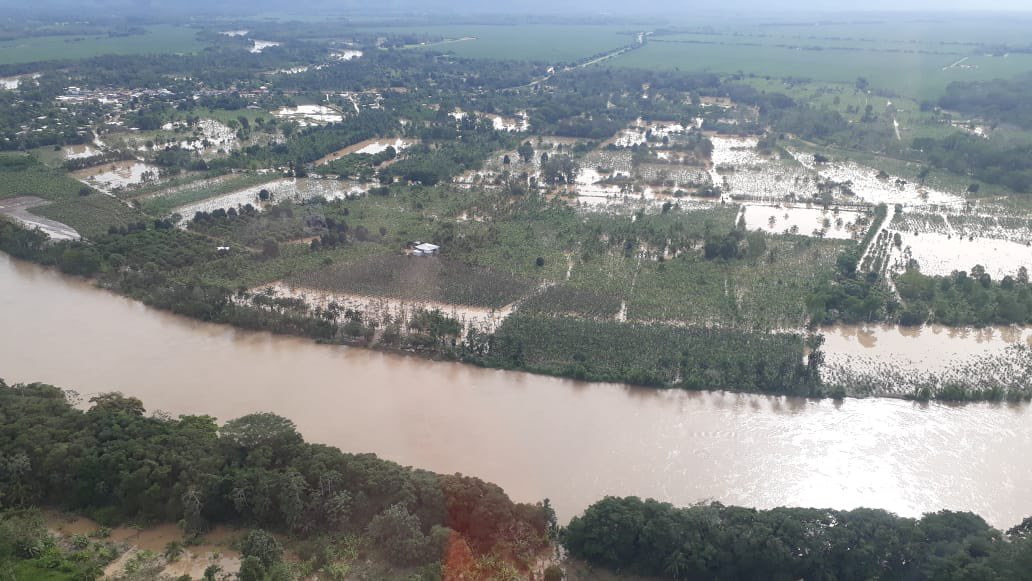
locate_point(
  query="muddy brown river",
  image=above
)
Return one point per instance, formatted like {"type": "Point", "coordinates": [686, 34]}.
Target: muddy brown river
{"type": "Point", "coordinates": [535, 436]}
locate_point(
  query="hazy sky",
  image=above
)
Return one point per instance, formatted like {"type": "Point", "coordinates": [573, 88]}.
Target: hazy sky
{"type": "Point", "coordinates": [586, 7]}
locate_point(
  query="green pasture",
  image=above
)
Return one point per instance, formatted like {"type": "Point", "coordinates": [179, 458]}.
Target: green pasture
{"type": "Point", "coordinates": [538, 43]}
{"type": "Point", "coordinates": [162, 39]}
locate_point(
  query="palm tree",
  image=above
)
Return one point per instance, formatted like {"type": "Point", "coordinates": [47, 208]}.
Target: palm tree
{"type": "Point", "coordinates": [173, 550]}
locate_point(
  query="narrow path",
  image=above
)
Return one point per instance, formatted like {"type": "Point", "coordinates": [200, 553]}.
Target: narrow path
{"type": "Point", "coordinates": [638, 43]}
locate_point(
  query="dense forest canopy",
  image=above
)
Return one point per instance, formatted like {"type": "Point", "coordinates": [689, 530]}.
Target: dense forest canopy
{"type": "Point", "coordinates": [725, 542]}
{"type": "Point", "coordinates": [116, 464]}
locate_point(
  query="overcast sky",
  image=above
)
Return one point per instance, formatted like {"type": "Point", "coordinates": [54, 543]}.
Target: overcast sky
{"type": "Point", "coordinates": [585, 7]}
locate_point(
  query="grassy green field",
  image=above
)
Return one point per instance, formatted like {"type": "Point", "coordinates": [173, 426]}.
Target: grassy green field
{"type": "Point", "coordinates": [22, 175]}
{"type": "Point", "coordinates": [92, 215]}
{"type": "Point", "coordinates": [160, 39]}
{"type": "Point", "coordinates": [544, 43]}
{"type": "Point", "coordinates": [911, 74]}
{"type": "Point", "coordinates": [162, 204]}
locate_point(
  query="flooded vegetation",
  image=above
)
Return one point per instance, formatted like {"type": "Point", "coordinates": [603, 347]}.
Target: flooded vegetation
{"type": "Point", "coordinates": [751, 262]}
{"type": "Point", "coordinates": [121, 175]}
{"type": "Point", "coordinates": [743, 449]}
{"type": "Point", "coordinates": [306, 115]}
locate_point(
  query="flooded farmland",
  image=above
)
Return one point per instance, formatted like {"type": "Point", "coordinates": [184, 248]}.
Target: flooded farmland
{"type": "Point", "coordinates": [538, 436]}
{"type": "Point", "coordinates": [110, 177]}
{"type": "Point", "coordinates": [284, 189]}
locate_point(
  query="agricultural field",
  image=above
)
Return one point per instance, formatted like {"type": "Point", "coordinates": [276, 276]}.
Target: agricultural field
{"type": "Point", "coordinates": [160, 39]}
{"type": "Point", "coordinates": [912, 74]}
{"type": "Point", "coordinates": [431, 279]}
{"type": "Point", "coordinates": [22, 175]}
{"type": "Point", "coordinates": [165, 200]}
{"type": "Point", "coordinates": [91, 215]}
{"type": "Point", "coordinates": [764, 293]}
{"type": "Point", "coordinates": [900, 361]}
{"type": "Point", "coordinates": [947, 242]}
{"type": "Point", "coordinates": [529, 42]}
{"type": "Point", "coordinates": [629, 198]}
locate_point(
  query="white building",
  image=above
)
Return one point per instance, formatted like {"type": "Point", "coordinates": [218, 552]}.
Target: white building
{"type": "Point", "coordinates": [425, 249]}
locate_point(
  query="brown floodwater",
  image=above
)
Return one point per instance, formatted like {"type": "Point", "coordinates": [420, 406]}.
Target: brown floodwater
{"type": "Point", "coordinates": [535, 436]}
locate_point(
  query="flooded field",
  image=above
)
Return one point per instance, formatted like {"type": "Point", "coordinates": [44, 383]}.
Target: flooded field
{"type": "Point", "coordinates": [216, 548]}
{"type": "Point", "coordinates": [941, 254]}
{"type": "Point", "coordinates": [260, 45]}
{"type": "Point", "coordinates": [369, 146]}
{"type": "Point", "coordinates": [781, 219]}
{"type": "Point", "coordinates": [12, 83]}
{"type": "Point", "coordinates": [208, 137]}
{"type": "Point", "coordinates": [346, 55]}
{"type": "Point", "coordinates": [536, 436]}
{"type": "Point", "coordinates": [80, 151]}
{"type": "Point", "coordinates": [898, 359]}
{"type": "Point", "coordinates": [309, 115]}
{"type": "Point", "coordinates": [294, 189]}
{"type": "Point", "coordinates": [110, 177]}
{"type": "Point", "coordinates": [385, 310]}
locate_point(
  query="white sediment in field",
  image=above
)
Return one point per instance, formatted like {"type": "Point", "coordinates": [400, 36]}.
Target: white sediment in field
{"type": "Point", "coordinates": [381, 145]}
{"type": "Point", "coordinates": [208, 137]}
{"type": "Point", "coordinates": [307, 115]}
{"type": "Point", "coordinates": [893, 359]}
{"type": "Point", "coordinates": [79, 151]}
{"type": "Point", "coordinates": [735, 151]}
{"type": "Point", "coordinates": [370, 146]}
{"type": "Point", "coordinates": [589, 191]}
{"type": "Point", "coordinates": [807, 221]}
{"type": "Point", "coordinates": [941, 254]}
{"type": "Point", "coordinates": [346, 55]}
{"type": "Point", "coordinates": [511, 124]}
{"type": "Point", "coordinates": [260, 45]}
{"type": "Point", "coordinates": [383, 309]}
{"type": "Point", "coordinates": [109, 177]}
{"type": "Point", "coordinates": [294, 189]}
{"type": "Point", "coordinates": [12, 83]}
{"type": "Point", "coordinates": [869, 188]}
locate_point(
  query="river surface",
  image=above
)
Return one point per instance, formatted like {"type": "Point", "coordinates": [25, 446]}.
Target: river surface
{"type": "Point", "coordinates": [535, 436]}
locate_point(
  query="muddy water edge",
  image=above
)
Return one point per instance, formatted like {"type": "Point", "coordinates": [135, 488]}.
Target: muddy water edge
{"type": "Point", "coordinates": [536, 436]}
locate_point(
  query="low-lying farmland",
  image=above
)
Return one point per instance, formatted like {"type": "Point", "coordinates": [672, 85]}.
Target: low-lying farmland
{"type": "Point", "coordinates": [161, 39]}
{"type": "Point", "coordinates": [431, 279]}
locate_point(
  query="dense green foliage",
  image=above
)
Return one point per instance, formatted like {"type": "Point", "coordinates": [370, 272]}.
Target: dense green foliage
{"type": "Point", "coordinates": [722, 542]}
{"type": "Point", "coordinates": [114, 463]}
{"type": "Point", "coordinates": [997, 101]}
{"type": "Point", "coordinates": [28, 552]}
{"type": "Point", "coordinates": [695, 358]}
{"type": "Point", "coordinates": [964, 299]}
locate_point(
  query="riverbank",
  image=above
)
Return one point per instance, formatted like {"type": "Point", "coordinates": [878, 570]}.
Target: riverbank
{"type": "Point", "coordinates": [251, 498]}
{"type": "Point", "coordinates": [519, 338]}
{"type": "Point", "coordinates": [537, 436]}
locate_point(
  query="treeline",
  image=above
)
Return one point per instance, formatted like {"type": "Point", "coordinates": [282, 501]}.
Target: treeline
{"type": "Point", "coordinates": [652, 354]}
{"type": "Point", "coordinates": [970, 155]}
{"type": "Point", "coordinates": [430, 164]}
{"type": "Point", "coordinates": [996, 101]}
{"type": "Point", "coordinates": [313, 143]}
{"type": "Point", "coordinates": [629, 535]}
{"type": "Point", "coordinates": [964, 299]}
{"type": "Point", "coordinates": [116, 464]}
{"type": "Point", "coordinates": [142, 265]}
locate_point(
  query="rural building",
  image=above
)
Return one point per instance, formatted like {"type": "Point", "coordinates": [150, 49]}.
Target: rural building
{"type": "Point", "coordinates": [425, 249]}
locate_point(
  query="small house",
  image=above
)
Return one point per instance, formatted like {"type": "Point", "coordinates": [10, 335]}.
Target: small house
{"type": "Point", "coordinates": [425, 249]}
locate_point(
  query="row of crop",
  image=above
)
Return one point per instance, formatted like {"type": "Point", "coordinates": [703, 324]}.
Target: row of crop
{"type": "Point", "coordinates": [656, 355]}
{"type": "Point", "coordinates": [436, 279]}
